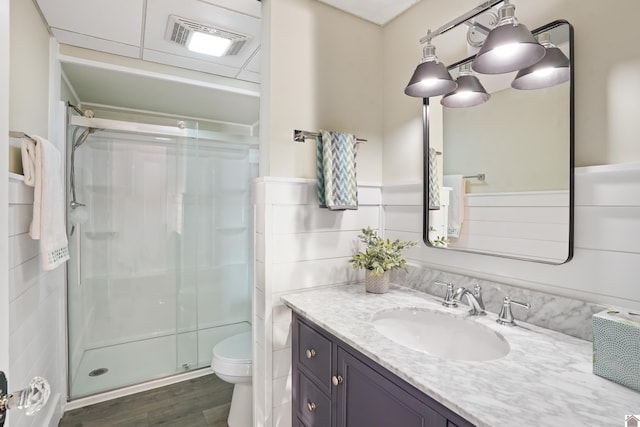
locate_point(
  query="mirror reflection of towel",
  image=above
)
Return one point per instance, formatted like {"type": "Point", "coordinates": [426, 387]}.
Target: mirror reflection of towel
{"type": "Point", "coordinates": [456, 203]}
{"type": "Point", "coordinates": [434, 185]}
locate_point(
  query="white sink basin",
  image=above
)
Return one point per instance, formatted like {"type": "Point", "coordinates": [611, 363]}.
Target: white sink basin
{"type": "Point", "coordinates": [441, 334]}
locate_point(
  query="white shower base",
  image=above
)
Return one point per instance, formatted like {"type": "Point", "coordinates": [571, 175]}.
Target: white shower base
{"type": "Point", "coordinates": [144, 360]}
{"type": "Point", "coordinates": [125, 364]}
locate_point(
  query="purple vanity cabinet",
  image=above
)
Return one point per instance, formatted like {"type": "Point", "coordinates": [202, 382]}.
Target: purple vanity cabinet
{"type": "Point", "coordinates": [336, 386]}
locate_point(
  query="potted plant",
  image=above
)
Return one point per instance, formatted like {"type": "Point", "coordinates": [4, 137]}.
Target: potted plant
{"type": "Point", "coordinates": [379, 257]}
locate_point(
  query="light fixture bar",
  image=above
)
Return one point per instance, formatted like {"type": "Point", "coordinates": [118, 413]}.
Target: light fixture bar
{"type": "Point", "coordinates": [460, 19]}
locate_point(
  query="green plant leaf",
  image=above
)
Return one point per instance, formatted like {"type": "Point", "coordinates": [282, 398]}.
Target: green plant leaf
{"type": "Point", "coordinates": [380, 254]}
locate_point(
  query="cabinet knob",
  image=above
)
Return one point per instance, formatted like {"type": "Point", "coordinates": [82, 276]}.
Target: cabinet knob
{"type": "Point", "coordinates": [310, 353]}
{"type": "Point", "coordinates": [336, 380]}
{"type": "Point", "coordinates": [311, 406]}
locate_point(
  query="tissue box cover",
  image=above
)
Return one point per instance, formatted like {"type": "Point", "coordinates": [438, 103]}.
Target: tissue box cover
{"type": "Point", "coordinates": [616, 347]}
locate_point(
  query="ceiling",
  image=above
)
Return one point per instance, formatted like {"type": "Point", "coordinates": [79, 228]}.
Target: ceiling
{"type": "Point", "coordinates": [136, 29]}
{"type": "Point", "coordinates": [377, 11]}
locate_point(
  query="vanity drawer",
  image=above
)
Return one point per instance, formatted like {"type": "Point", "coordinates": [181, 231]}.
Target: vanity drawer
{"type": "Point", "coordinates": [314, 356]}
{"type": "Point", "coordinates": [313, 406]}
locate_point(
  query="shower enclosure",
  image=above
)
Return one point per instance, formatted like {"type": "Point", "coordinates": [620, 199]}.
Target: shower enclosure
{"type": "Point", "coordinates": [160, 248]}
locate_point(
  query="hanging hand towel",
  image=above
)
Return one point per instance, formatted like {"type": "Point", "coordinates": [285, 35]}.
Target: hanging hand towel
{"type": "Point", "coordinates": [434, 185]}
{"type": "Point", "coordinates": [456, 203]}
{"type": "Point", "coordinates": [42, 165]}
{"type": "Point", "coordinates": [336, 160]}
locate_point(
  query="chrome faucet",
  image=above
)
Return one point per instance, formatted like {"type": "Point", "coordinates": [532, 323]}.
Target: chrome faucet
{"type": "Point", "coordinates": [448, 300]}
{"type": "Point", "coordinates": [506, 316]}
{"type": "Point", "coordinates": [474, 299]}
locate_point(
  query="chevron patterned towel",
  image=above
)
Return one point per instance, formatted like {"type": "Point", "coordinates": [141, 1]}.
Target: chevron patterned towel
{"type": "Point", "coordinates": [336, 159]}
{"type": "Point", "coordinates": [434, 185]}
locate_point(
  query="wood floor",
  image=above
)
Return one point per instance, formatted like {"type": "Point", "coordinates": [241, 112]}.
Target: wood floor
{"type": "Point", "coordinates": [198, 402]}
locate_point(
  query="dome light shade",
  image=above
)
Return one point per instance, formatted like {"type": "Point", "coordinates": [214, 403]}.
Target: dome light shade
{"type": "Point", "coordinates": [552, 70]}
{"type": "Point", "coordinates": [510, 46]}
{"type": "Point", "coordinates": [431, 77]}
{"type": "Point", "coordinates": [469, 92]}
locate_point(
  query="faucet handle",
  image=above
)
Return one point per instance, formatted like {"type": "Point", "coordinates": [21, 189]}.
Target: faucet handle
{"type": "Point", "coordinates": [449, 299]}
{"type": "Point", "coordinates": [506, 316]}
{"type": "Point", "coordinates": [477, 292]}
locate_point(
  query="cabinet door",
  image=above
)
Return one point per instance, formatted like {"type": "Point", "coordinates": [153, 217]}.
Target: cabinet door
{"type": "Point", "coordinates": [366, 398]}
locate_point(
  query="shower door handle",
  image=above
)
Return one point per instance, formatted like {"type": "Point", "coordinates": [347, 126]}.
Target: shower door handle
{"type": "Point", "coordinates": [31, 399]}
{"type": "Point", "coordinates": [78, 254]}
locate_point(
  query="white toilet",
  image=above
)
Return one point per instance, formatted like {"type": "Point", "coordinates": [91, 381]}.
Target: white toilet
{"type": "Point", "coordinates": [232, 363]}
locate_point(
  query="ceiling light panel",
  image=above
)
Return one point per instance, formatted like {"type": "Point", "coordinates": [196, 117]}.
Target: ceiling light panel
{"type": "Point", "coordinates": [204, 38]}
{"type": "Point", "coordinates": [198, 13]}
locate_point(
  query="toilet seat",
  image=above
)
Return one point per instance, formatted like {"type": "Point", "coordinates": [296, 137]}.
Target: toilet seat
{"type": "Point", "coordinates": [232, 356]}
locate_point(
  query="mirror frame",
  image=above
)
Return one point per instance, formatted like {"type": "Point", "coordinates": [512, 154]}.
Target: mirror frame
{"type": "Point", "coordinates": [425, 139]}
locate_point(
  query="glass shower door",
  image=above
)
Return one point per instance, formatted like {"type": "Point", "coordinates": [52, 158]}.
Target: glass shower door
{"type": "Point", "coordinates": [160, 255]}
{"type": "Point", "coordinates": [128, 275]}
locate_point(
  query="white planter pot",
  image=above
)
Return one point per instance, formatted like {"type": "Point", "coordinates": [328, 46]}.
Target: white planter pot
{"type": "Point", "coordinates": [377, 284]}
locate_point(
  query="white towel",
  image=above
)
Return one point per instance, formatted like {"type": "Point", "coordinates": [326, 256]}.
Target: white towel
{"type": "Point", "coordinates": [456, 203]}
{"type": "Point", "coordinates": [42, 166]}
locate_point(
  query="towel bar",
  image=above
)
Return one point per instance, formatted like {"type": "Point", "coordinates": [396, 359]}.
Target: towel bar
{"type": "Point", "coordinates": [14, 134]}
{"type": "Point", "coordinates": [302, 135]}
{"type": "Point", "coordinates": [480, 177]}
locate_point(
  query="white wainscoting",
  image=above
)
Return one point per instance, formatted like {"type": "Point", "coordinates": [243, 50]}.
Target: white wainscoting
{"type": "Point", "coordinates": [606, 261]}
{"type": "Point", "coordinates": [297, 246]}
{"type": "Point", "coordinates": [505, 223]}
{"type": "Point", "coordinates": [36, 314]}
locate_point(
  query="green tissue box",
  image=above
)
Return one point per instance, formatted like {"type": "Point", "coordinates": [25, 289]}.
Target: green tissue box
{"type": "Point", "coordinates": [616, 347]}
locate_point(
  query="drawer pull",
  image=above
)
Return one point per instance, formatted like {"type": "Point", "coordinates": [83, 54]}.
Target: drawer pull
{"type": "Point", "coordinates": [310, 353]}
{"type": "Point", "coordinates": [311, 406]}
{"type": "Point", "coordinates": [336, 380]}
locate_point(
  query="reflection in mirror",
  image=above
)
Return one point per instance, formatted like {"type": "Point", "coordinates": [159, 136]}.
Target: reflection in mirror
{"type": "Point", "coordinates": [503, 181]}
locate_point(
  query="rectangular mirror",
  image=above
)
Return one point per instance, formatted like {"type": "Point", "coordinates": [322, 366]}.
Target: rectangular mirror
{"type": "Point", "coordinates": [499, 175]}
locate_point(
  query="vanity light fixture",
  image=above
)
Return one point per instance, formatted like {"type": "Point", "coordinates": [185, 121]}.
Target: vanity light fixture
{"type": "Point", "coordinates": [431, 77]}
{"type": "Point", "coordinates": [510, 46]}
{"type": "Point", "coordinates": [551, 70]}
{"type": "Point", "coordinates": [469, 92]}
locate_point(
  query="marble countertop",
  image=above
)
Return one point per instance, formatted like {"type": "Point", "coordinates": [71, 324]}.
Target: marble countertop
{"type": "Point", "coordinates": [545, 380]}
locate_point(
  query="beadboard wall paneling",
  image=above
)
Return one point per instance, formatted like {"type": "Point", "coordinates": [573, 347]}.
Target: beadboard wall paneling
{"type": "Point", "coordinates": [19, 218]}
{"type": "Point", "coordinates": [606, 248]}
{"type": "Point", "coordinates": [406, 218]}
{"type": "Point", "coordinates": [313, 246]}
{"type": "Point", "coordinates": [302, 218]}
{"type": "Point", "coordinates": [298, 246]}
{"type": "Point", "coordinates": [36, 314]}
{"type": "Point", "coordinates": [502, 223]}
{"type": "Point", "coordinates": [309, 274]}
